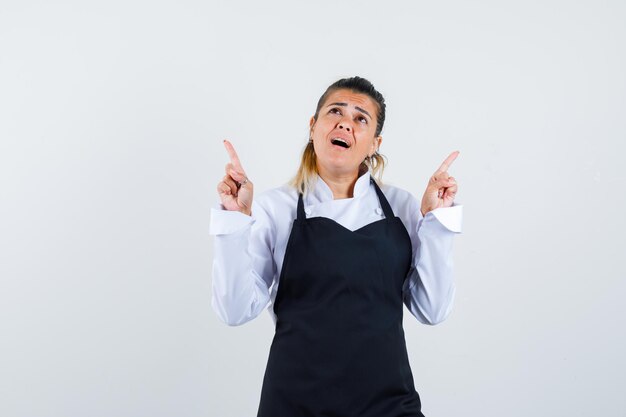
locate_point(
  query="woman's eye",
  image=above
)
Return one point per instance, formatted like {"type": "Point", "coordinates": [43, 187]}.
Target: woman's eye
{"type": "Point", "coordinates": [336, 110]}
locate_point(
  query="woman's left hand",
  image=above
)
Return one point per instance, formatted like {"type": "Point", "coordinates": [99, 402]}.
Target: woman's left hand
{"type": "Point", "coordinates": [441, 187]}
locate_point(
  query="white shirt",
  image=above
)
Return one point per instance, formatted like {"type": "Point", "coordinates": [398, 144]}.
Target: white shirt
{"type": "Point", "coordinates": [249, 250]}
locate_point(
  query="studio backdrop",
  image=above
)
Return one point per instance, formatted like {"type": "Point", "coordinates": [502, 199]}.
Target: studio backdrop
{"type": "Point", "coordinates": [112, 116]}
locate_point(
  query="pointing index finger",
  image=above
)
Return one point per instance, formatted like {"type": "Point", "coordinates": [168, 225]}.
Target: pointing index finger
{"type": "Point", "coordinates": [446, 164]}
{"type": "Point", "coordinates": [232, 154]}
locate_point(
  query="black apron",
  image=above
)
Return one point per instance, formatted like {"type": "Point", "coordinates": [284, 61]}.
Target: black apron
{"type": "Point", "coordinates": [339, 348]}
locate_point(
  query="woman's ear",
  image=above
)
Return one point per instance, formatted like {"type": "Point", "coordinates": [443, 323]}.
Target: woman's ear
{"type": "Point", "coordinates": [311, 124]}
{"type": "Point", "coordinates": [376, 144]}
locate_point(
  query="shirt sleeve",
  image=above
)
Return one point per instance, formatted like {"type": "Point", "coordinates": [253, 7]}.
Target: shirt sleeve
{"type": "Point", "coordinates": [243, 266]}
{"type": "Point", "coordinates": [429, 288]}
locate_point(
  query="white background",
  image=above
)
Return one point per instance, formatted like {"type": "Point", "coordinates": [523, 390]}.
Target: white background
{"type": "Point", "coordinates": [112, 116]}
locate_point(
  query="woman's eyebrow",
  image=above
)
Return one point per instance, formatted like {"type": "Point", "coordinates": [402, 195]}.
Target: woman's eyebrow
{"type": "Point", "coordinates": [356, 107]}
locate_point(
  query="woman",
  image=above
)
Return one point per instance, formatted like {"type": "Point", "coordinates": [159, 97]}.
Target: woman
{"type": "Point", "coordinates": [334, 254]}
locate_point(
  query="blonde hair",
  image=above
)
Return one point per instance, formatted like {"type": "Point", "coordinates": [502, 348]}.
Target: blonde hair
{"type": "Point", "coordinates": [306, 177]}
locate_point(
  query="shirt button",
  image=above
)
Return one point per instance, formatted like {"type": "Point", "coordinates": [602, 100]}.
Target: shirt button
{"type": "Point", "coordinates": [379, 211]}
{"type": "Point", "coordinates": [307, 211]}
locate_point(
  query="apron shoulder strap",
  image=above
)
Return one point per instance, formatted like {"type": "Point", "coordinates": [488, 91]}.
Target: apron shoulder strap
{"type": "Point", "coordinates": [383, 201]}
{"type": "Point", "coordinates": [300, 211]}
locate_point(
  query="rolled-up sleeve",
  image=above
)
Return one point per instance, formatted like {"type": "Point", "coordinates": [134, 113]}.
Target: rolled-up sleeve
{"type": "Point", "coordinates": [243, 266]}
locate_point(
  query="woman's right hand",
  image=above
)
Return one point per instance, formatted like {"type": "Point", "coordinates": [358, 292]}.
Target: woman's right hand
{"type": "Point", "coordinates": [235, 189]}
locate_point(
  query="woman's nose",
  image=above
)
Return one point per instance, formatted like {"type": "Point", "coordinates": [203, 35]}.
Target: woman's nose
{"type": "Point", "coordinates": [344, 125]}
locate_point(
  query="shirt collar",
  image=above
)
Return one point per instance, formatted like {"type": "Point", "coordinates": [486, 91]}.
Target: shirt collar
{"type": "Point", "coordinates": [322, 191]}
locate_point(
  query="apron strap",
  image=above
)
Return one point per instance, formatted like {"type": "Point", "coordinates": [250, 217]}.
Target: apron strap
{"type": "Point", "coordinates": [301, 214]}
{"type": "Point", "coordinates": [383, 201]}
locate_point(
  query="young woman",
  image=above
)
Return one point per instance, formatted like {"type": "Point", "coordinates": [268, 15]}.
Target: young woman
{"type": "Point", "coordinates": [334, 255]}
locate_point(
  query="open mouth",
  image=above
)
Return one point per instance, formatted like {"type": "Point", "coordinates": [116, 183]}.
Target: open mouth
{"type": "Point", "coordinates": [340, 142]}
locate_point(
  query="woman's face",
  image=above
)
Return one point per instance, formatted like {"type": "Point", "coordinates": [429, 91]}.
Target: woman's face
{"type": "Point", "coordinates": [350, 117]}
